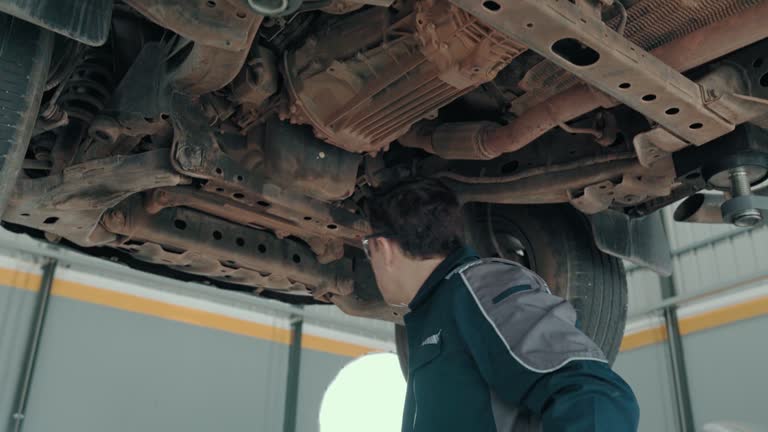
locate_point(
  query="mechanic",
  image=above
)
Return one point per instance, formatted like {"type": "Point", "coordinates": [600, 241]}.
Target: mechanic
{"type": "Point", "coordinates": [490, 349]}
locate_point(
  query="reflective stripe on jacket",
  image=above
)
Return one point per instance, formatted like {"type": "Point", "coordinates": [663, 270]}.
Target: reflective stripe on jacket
{"type": "Point", "coordinates": [491, 350]}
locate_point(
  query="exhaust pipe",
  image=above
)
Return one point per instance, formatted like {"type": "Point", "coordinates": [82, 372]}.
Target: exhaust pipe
{"type": "Point", "coordinates": [485, 141]}
{"type": "Point", "coordinates": [701, 208]}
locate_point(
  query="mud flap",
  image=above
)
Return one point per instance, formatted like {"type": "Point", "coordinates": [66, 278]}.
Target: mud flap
{"type": "Point", "coordinates": [640, 240]}
{"type": "Point", "coordinates": [86, 21]}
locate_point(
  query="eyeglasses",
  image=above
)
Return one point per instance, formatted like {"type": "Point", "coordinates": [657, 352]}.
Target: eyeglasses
{"type": "Point", "coordinates": [368, 238]}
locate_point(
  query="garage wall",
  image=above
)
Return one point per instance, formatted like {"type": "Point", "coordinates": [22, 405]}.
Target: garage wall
{"type": "Point", "coordinates": [318, 370]}
{"type": "Point", "coordinates": [727, 373]}
{"type": "Point", "coordinates": [106, 369]}
{"type": "Point", "coordinates": [122, 355]}
{"type": "Point", "coordinates": [646, 370]}
{"type": "Point", "coordinates": [720, 276]}
{"type": "Point", "coordinates": [725, 358]}
{"type": "Point", "coordinates": [125, 353]}
{"type": "Point", "coordinates": [19, 278]}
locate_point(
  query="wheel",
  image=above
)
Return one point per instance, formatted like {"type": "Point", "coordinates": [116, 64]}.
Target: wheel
{"type": "Point", "coordinates": [556, 242]}
{"type": "Point", "coordinates": [25, 54]}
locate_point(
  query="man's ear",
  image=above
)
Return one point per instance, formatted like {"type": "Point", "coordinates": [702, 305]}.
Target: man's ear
{"type": "Point", "coordinates": [388, 250]}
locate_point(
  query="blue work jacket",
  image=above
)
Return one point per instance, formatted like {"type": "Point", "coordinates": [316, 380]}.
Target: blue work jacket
{"type": "Point", "coordinates": [491, 350]}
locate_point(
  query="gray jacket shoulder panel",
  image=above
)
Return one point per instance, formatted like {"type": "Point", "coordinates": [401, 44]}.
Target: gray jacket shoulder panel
{"type": "Point", "coordinates": [537, 328]}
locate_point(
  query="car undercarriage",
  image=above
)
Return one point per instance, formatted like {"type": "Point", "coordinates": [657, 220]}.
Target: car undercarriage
{"type": "Point", "coordinates": [237, 141]}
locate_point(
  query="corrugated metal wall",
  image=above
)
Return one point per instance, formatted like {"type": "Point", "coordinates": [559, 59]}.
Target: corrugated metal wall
{"type": "Point", "coordinates": [647, 371]}
{"type": "Point", "coordinates": [319, 369]}
{"type": "Point", "coordinates": [16, 311]}
{"type": "Point", "coordinates": [644, 290]}
{"type": "Point", "coordinates": [707, 257]}
{"type": "Point", "coordinates": [724, 364]}
{"type": "Point", "coordinates": [98, 367]}
{"type": "Point", "coordinates": [716, 256]}
{"type": "Point", "coordinates": [726, 368]}
{"type": "Point", "coordinates": [101, 369]}
{"type": "Point", "coordinates": [157, 363]}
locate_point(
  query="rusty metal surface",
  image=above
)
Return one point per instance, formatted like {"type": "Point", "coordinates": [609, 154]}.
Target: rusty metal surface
{"type": "Point", "coordinates": [701, 208]}
{"type": "Point", "coordinates": [71, 204]}
{"type": "Point", "coordinates": [594, 184]}
{"type": "Point", "coordinates": [185, 164]}
{"type": "Point", "coordinates": [685, 53]}
{"type": "Point", "coordinates": [738, 90]}
{"type": "Point", "coordinates": [541, 189]}
{"type": "Point", "coordinates": [328, 248]}
{"type": "Point", "coordinates": [196, 153]}
{"type": "Point", "coordinates": [207, 68]}
{"type": "Point", "coordinates": [650, 24]}
{"type": "Point", "coordinates": [257, 80]}
{"type": "Point", "coordinates": [297, 160]}
{"type": "Point", "coordinates": [421, 62]}
{"type": "Point", "coordinates": [201, 244]}
{"type": "Point", "coordinates": [567, 34]}
{"type": "Point", "coordinates": [483, 140]}
{"type": "Point", "coordinates": [655, 145]}
{"type": "Point", "coordinates": [224, 24]}
{"type": "Point", "coordinates": [591, 184]}
{"type": "Point", "coordinates": [139, 107]}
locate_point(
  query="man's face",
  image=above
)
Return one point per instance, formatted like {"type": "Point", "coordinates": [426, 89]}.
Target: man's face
{"type": "Point", "coordinates": [382, 252]}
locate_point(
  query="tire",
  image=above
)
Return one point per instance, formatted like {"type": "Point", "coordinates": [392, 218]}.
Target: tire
{"type": "Point", "coordinates": [25, 54]}
{"type": "Point", "coordinates": [556, 242]}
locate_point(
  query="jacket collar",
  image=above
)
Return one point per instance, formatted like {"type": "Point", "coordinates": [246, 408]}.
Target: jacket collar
{"type": "Point", "coordinates": [455, 259]}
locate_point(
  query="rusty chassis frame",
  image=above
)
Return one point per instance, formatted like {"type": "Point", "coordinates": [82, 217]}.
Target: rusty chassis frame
{"type": "Point", "coordinates": [193, 206]}
{"type": "Point", "coordinates": [133, 203]}
{"type": "Point", "coordinates": [483, 141]}
{"type": "Point", "coordinates": [72, 203]}
{"type": "Point", "coordinates": [235, 254]}
{"type": "Point", "coordinates": [99, 203]}
{"type": "Point", "coordinates": [572, 35]}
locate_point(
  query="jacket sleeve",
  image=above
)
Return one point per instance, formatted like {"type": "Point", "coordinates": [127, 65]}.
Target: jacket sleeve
{"type": "Point", "coordinates": [529, 351]}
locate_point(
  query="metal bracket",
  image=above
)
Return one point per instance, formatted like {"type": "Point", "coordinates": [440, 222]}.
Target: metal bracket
{"type": "Point", "coordinates": [596, 198]}
{"type": "Point", "coordinates": [571, 34]}
{"type": "Point", "coordinates": [641, 240]}
{"type": "Point", "coordinates": [736, 206]}
{"type": "Point", "coordinates": [71, 205]}
{"type": "Point", "coordinates": [201, 244]}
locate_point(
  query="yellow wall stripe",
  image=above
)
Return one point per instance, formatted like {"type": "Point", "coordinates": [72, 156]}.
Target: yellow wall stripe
{"type": "Point", "coordinates": [141, 305]}
{"type": "Point", "coordinates": [724, 315]}
{"type": "Point", "coordinates": [696, 323]}
{"type": "Point", "coordinates": [128, 302]}
{"type": "Point", "coordinates": [145, 306]}
{"type": "Point", "coordinates": [643, 338]}
{"type": "Point", "coordinates": [21, 280]}
{"type": "Point", "coordinates": [318, 343]}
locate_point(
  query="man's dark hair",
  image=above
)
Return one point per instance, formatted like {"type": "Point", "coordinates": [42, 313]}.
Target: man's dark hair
{"type": "Point", "coordinates": [422, 215]}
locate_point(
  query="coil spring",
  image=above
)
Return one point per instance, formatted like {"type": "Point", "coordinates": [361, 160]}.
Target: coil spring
{"type": "Point", "coordinates": [90, 86]}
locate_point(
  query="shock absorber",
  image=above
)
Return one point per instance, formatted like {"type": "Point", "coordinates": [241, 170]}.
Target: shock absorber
{"type": "Point", "coordinates": [84, 95]}
{"type": "Point", "coordinates": [89, 87]}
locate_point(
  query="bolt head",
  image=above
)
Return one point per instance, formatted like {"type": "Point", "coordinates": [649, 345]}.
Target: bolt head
{"type": "Point", "coordinates": [748, 218]}
{"type": "Point", "coordinates": [189, 157]}
{"type": "Point", "coordinates": [116, 218]}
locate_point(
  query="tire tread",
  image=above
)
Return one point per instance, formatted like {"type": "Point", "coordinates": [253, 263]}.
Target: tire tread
{"type": "Point", "coordinates": [25, 52]}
